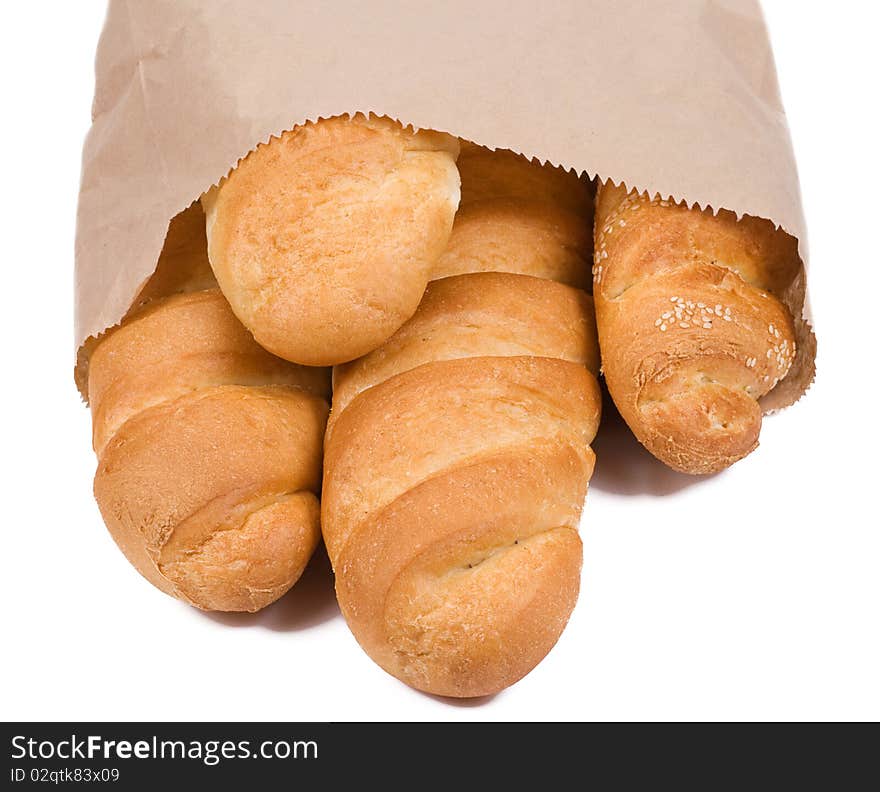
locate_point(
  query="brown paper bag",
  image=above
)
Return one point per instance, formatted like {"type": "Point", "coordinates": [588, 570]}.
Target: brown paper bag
{"type": "Point", "coordinates": [677, 97]}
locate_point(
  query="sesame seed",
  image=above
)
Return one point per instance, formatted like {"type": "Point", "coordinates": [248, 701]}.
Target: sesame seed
{"type": "Point", "coordinates": [707, 325]}
{"type": "Point", "coordinates": [673, 299]}
{"type": "Point", "coordinates": [726, 317]}
{"type": "Point", "coordinates": [684, 325]}
{"type": "Point", "coordinates": [663, 328]}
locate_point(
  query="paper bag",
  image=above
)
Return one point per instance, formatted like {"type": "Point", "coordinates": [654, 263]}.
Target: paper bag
{"type": "Point", "coordinates": [677, 97]}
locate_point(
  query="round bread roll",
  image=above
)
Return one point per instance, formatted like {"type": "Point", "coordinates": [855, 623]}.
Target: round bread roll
{"type": "Point", "coordinates": [323, 240]}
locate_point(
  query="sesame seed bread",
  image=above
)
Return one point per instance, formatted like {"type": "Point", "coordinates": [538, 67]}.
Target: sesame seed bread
{"type": "Point", "coordinates": [692, 329]}
{"type": "Point", "coordinates": [457, 462]}
{"type": "Point", "coordinates": [324, 239]}
{"type": "Point", "coordinates": [209, 449]}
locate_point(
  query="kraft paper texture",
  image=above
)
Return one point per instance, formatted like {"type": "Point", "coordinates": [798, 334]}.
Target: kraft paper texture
{"type": "Point", "coordinates": [677, 97]}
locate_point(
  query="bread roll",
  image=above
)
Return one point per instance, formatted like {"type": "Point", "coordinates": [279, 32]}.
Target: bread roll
{"type": "Point", "coordinates": [183, 264]}
{"type": "Point", "coordinates": [691, 325]}
{"type": "Point", "coordinates": [209, 448]}
{"type": "Point", "coordinates": [457, 462]}
{"type": "Point", "coordinates": [323, 239]}
{"type": "Point", "coordinates": [519, 216]}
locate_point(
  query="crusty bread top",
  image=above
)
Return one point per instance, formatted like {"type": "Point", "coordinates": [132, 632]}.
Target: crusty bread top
{"type": "Point", "coordinates": [519, 216]}
{"type": "Point", "coordinates": [209, 452]}
{"type": "Point", "coordinates": [473, 407]}
{"type": "Point", "coordinates": [690, 325]}
{"type": "Point", "coordinates": [653, 235]}
{"type": "Point", "coordinates": [506, 235]}
{"type": "Point", "coordinates": [457, 454]}
{"type": "Point", "coordinates": [190, 489]}
{"type": "Point", "coordinates": [177, 345]}
{"type": "Point", "coordinates": [485, 314]}
{"type": "Point", "coordinates": [462, 584]}
{"type": "Point", "coordinates": [452, 495]}
{"type": "Point", "coordinates": [323, 239]}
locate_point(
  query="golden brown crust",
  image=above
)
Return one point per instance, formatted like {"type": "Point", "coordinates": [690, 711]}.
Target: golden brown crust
{"type": "Point", "coordinates": [209, 453]}
{"type": "Point", "coordinates": [378, 446]}
{"type": "Point", "coordinates": [691, 328]}
{"type": "Point", "coordinates": [483, 585]}
{"type": "Point", "coordinates": [180, 344]}
{"type": "Point", "coordinates": [504, 235]}
{"type": "Point", "coordinates": [457, 462]}
{"type": "Point", "coordinates": [452, 494]}
{"type": "Point", "coordinates": [177, 475]}
{"type": "Point", "coordinates": [479, 315]}
{"type": "Point", "coordinates": [458, 452]}
{"type": "Point", "coordinates": [519, 216]}
{"type": "Point", "coordinates": [323, 239]}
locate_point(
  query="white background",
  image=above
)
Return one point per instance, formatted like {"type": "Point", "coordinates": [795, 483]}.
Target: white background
{"type": "Point", "coordinates": [750, 595]}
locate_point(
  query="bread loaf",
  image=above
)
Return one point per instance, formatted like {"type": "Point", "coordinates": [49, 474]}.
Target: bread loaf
{"type": "Point", "coordinates": [517, 216]}
{"type": "Point", "coordinates": [324, 239]}
{"type": "Point", "coordinates": [209, 448]}
{"type": "Point", "coordinates": [457, 462]}
{"type": "Point", "coordinates": [691, 325]}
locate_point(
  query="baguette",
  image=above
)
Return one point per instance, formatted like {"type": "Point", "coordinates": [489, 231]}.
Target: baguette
{"type": "Point", "coordinates": [517, 216]}
{"type": "Point", "coordinates": [692, 329]}
{"type": "Point", "coordinates": [457, 462]}
{"type": "Point", "coordinates": [209, 448]}
{"type": "Point", "coordinates": [323, 240]}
